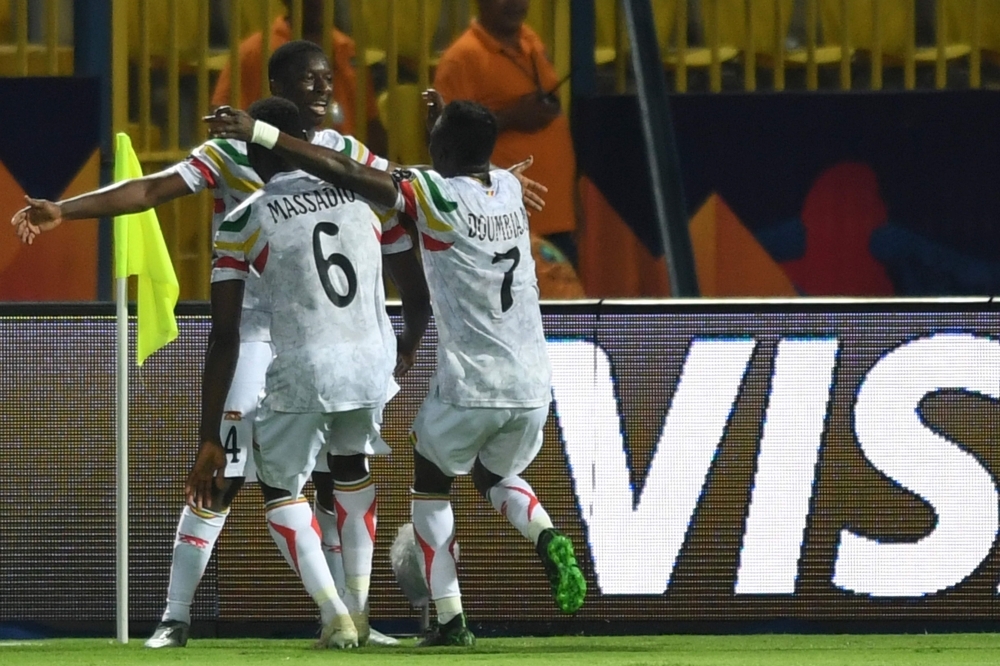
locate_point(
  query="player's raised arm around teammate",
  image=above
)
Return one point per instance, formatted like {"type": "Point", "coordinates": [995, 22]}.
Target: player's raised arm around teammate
{"type": "Point", "coordinates": [234, 124]}
{"type": "Point", "coordinates": [336, 168]}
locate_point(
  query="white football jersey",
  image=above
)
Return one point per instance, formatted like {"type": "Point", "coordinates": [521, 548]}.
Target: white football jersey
{"type": "Point", "coordinates": [222, 166]}
{"type": "Point", "coordinates": [481, 275]}
{"type": "Point", "coordinates": [317, 251]}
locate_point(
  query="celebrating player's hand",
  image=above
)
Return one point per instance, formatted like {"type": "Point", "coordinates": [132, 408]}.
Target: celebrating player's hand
{"type": "Point", "coordinates": [230, 123]}
{"type": "Point", "coordinates": [531, 191]}
{"type": "Point", "coordinates": [38, 216]}
{"type": "Point", "coordinates": [206, 475]}
{"type": "Point", "coordinates": [435, 105]}
{"type": "Point", "coordinates": [404, 361]}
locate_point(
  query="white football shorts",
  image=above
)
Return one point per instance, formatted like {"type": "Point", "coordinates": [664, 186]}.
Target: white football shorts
{"type": "Point", "coordinates": [289, 447]}
{"type": "Point", "coordinates": [505, 439]}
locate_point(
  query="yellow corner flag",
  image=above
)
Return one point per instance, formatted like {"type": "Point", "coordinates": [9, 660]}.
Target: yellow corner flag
{"type": "Point", "coordinates": [140, 250]}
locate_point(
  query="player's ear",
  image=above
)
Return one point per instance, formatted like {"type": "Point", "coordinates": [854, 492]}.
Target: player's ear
{"type": "Point", "coordinates": [276, 88]}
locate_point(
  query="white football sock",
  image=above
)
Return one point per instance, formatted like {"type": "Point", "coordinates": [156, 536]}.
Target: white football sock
{"type": "Point", "coordinates": [296, 533]}
{"type": "Point", "coordinates": [515, 499]}
{"type": "Point", "coordinates": [356, 517]}
{"type": "Point", "coordinates": [447, 608]}
{"type": "Point", "coordinates": [331, 547]}
{"type": "Point", "coordinates": [197, 532]}
{"type": "Point", "coordinates": [434, 529]}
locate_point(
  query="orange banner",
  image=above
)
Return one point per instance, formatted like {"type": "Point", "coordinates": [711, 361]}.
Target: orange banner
{"type": "Point", "coordinates": [58, 266]}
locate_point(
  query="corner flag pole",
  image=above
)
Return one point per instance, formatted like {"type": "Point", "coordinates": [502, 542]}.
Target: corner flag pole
{"type": "Point", "coordinates": [121, 459]}
{"type": "Point", "coordinates": [139, 250]}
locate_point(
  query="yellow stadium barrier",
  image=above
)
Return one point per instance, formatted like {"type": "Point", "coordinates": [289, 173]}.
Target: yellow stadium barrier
{"type": "Point", "coordinates": [21, 57]}
{"type": "Point", "coordinates": [885, 31]}
{"type": "Point", "coordinates": [410, 144]}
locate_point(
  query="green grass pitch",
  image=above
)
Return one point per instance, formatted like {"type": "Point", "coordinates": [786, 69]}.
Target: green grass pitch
{"type": "Point", "coordinates": [762, 650]}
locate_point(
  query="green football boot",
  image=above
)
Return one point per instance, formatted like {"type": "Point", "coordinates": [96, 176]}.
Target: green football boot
{"type": "Point", "coordinates": [568, 584]}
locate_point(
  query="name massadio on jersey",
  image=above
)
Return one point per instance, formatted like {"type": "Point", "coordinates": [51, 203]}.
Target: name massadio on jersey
{"type": "Point", "coordinates": [302, 203]}
{"type": "Point", "coordinates": [841, 473]}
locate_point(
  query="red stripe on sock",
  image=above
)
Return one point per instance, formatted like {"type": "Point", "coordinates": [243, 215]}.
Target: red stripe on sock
{"type": "Point", "coordinates": [190, 540]}
{"type": "Point", "coordinates": [532, 500]}
{"type": "Point", "coordinates": [316, 528]}
{"type": "Point", "coordinates": [370, 519]}
{"type": "Point", "coordinates": [289, 535]}
{"type": "Point", "coordinates": [341, 515]}
{"type": "Point", "coordinates": [428, 558]}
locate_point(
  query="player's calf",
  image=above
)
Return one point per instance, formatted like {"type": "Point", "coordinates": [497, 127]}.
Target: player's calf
{"type": "Point", "coordinates": [291, 524]}
{"type": "Point", "coordinates": [197, 532]}
{"type": "Point", "coordinates": [514, 498]}
{"type": "Point", "coordinates": [354, 499]}
{"type": "Point", "coordinates": [434, 532]}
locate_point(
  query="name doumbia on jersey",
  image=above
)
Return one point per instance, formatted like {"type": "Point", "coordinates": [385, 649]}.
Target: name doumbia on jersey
{"type": "Point", "coordinates": [498, 227]}
{"type": "Point", "coordinates": [309, 202]}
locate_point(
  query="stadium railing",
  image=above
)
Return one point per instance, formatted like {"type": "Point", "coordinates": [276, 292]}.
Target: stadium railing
{"type": "Point", "coordinates": [168, 53]}
{"type": "Point", "coordinates": [22, 56]}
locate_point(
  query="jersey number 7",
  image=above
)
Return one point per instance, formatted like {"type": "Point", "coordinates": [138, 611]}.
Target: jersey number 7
{"type": "Point", "coordinates": [324, 263]}
{"type": "Point", "coordinates": [506, 298]}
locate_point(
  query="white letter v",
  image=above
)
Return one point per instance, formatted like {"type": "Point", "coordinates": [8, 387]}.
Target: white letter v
{"type": "Point", "coordinates": [635, 545]}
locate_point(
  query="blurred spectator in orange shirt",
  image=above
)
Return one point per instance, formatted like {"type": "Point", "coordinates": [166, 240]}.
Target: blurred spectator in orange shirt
{"type": "Point", "coordinates": [344, 83]}
{"type": "Point", "coordinates": [501, 63]}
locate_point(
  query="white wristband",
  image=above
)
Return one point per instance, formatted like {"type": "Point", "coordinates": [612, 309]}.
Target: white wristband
{"type": "Point", "coordinates": [264, 134]}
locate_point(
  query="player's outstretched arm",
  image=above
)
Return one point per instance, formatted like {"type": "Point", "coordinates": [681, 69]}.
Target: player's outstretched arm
{"type": "Point", "coordinates": [408, 276]}
{"type": "Point", "coordinates": [130, 196]}
{"type": "Point", "coordinates": [217, 376]}
{"type": "Point", "coordinates": [373, 185]}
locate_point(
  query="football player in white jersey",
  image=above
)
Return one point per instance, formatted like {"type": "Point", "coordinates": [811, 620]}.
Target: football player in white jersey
{"type": "Point", "coordinates": [490, 396]}
{"type": "Point", "coordinates": [299, 72]}
{"type": "Point", "coordinates": [317, 250]}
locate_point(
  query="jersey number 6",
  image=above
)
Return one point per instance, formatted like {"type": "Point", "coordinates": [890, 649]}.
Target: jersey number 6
{"type": "Point", "coordinates": [513, 254]}
{"type": "Point", "coordinates": [323, 265]}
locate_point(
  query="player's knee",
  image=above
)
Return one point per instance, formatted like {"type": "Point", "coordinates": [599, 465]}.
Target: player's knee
{"type": "Point", "coordinates": [428, 478]}
{"type": "Point", "coordinates": [483, 478]}
{"type": "Point", "coordinates": [347, 469]}
{"type": "Point", "coordinates": [272, 494]}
